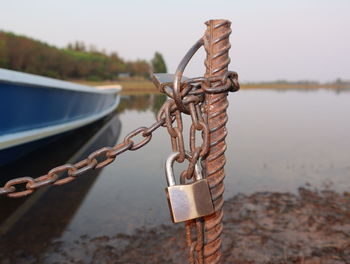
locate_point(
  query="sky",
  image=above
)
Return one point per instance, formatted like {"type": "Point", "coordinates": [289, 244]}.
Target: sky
{"type": "Point", "coordinates": [271, 39]}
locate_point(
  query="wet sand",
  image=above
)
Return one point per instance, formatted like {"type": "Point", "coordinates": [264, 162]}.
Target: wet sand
{"type": "Point", "coordinates": [309, 227]}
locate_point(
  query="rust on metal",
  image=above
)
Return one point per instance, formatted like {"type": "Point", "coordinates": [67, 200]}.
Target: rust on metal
{"type": "Point", "coordinates": [217, 45]}
{"type": "Point", "coordinates": [205, 100]}
{"type": "Point", "coordinates": [23, 186]}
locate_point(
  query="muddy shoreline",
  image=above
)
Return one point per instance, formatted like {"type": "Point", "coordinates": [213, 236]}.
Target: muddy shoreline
{"type": "Point", "coordinates": [266, 227]}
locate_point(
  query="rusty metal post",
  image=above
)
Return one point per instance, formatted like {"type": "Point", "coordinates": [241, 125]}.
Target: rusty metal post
{"type": "Point", "coordinates": [217, 45]}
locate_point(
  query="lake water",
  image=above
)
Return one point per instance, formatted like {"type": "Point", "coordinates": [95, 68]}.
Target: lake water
{"type": "Point", "coordinates": [278, 141]}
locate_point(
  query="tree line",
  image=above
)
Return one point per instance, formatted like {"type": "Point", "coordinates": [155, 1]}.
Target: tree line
{"type": "Point", "coordinates": [76, 61]}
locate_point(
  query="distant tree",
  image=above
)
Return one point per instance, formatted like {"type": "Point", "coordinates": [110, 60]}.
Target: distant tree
{"type": "Point", "coordinates": [3, 50]}
{"type": "Point", "coordinates": [158, 101]}
{"type": "Point", "coordinates": [338, 81]}
{"type": "Point", "coordinates": [76, 61]}
{"type": "Point", "coordinates": [139, 68]}
{"type": "Point", "coordinates": [158, 63]}
{"type": "Point", "coordinates": [79, 46]}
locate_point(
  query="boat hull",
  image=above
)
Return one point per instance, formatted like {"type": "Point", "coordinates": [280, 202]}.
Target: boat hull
{"type": "Point", "coordinates": [34, 108]}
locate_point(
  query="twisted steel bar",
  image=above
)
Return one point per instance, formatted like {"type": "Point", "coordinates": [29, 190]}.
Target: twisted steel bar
{"type": "Point", "coordinates": [217, 45]}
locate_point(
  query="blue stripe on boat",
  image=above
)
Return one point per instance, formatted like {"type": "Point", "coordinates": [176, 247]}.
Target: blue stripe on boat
{"type": "Point", "coordinates": [34, 107]}
{"type": "Point", "coordinates": [24, 108]}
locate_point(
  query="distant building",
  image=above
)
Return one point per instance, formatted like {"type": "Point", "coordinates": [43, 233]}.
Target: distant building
{"type": "Point", "coordinates": [124, 75]}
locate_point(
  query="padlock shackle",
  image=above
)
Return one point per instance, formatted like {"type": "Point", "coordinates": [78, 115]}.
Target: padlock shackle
{"type": "Point", "coordinates": [169, 172]}
{"type": "Point", "coordinates": [169, 168]}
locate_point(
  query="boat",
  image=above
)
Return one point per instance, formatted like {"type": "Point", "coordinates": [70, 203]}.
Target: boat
{"type": "Point", "coordinates": [23, 214]}
{"type": "Point", "coordinates": [34, 109]}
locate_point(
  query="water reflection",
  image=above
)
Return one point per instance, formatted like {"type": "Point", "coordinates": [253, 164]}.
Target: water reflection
{"type": "Point", "coordinates": [28, 224]}
{"type": "Point", "coordinates": [277, 142]}
{"type": "Point", "coordinates": [141, 103]}
{"type": "Point", "coordinates": [336, 90]}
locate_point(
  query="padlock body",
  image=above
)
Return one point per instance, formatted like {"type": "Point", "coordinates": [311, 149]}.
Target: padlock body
{"type": "Point", "coordinates": [189, 201]}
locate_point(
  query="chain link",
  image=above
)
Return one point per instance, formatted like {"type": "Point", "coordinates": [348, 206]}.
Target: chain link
{"type": "Point", "coordinates": [186, 97]}
{"type": "Point", "coordinates": [192, 96]}
{"type": "Point", "coordinates": [192, 99]}
{"type": "Point", "coordinates": [23, 186]}
{"type": "Point", "coordinates": [192, 91]}
{"type": "Point", "coordinates": [195, 243]}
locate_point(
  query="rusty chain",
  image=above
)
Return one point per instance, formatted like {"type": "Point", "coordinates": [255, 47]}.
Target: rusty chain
{"type": "Point", "coordinates": [192, 97]}
{"type": "Point", "coordinates": [186, 97]}
{"type": "Point", "coordinates": [203, 234]}
{"type": "Point", "coordinates": [96, 160]}
{"type": "Point", "coordinates": [191, 92]}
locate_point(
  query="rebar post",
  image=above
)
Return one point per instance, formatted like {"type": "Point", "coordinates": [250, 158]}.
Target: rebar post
{"type": "Point", "coordinates": [217, 45]}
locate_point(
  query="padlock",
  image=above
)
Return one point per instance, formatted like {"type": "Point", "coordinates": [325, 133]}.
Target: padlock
{"type": "Point", "coordinates": [187, 201]}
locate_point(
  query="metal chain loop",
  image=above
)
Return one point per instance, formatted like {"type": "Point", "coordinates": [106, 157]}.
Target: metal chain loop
{"type": "Point", "coordinates": [169, 121]}
{"type": "Point", "coordinates": [96, 160]}
{"type": "Point", "coordinates": [119, 149]}
{"type": "Point", "coordinates": [186, 97]}
{"type": "Point", "coordinates": [193, 162]}
{"type": "Point", "coordinates": [195, 247]}
{"type": "Point", "coordinates": [198, 124]}
{"type": "Point", "coordinates": [83, 166]}
{"type": "Point", "coordinates": [192, 96]}
{"type": "Point", "coordinates": [11, 185]}
{"type": "Point", "coordinates": [140, 130]}
{"type": "Point", "coordinates": [42, 181]}
{"type": "Point", "coordinates": [102, 154]}
{"type": "Point", "coordinates": [60, 169]}
{"type": "Point", "coordinates": [7, 190]}
{"type": "Point", "coordinates": [175, 132]}
{"type": "Point", "coordinates": [178, 144]}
